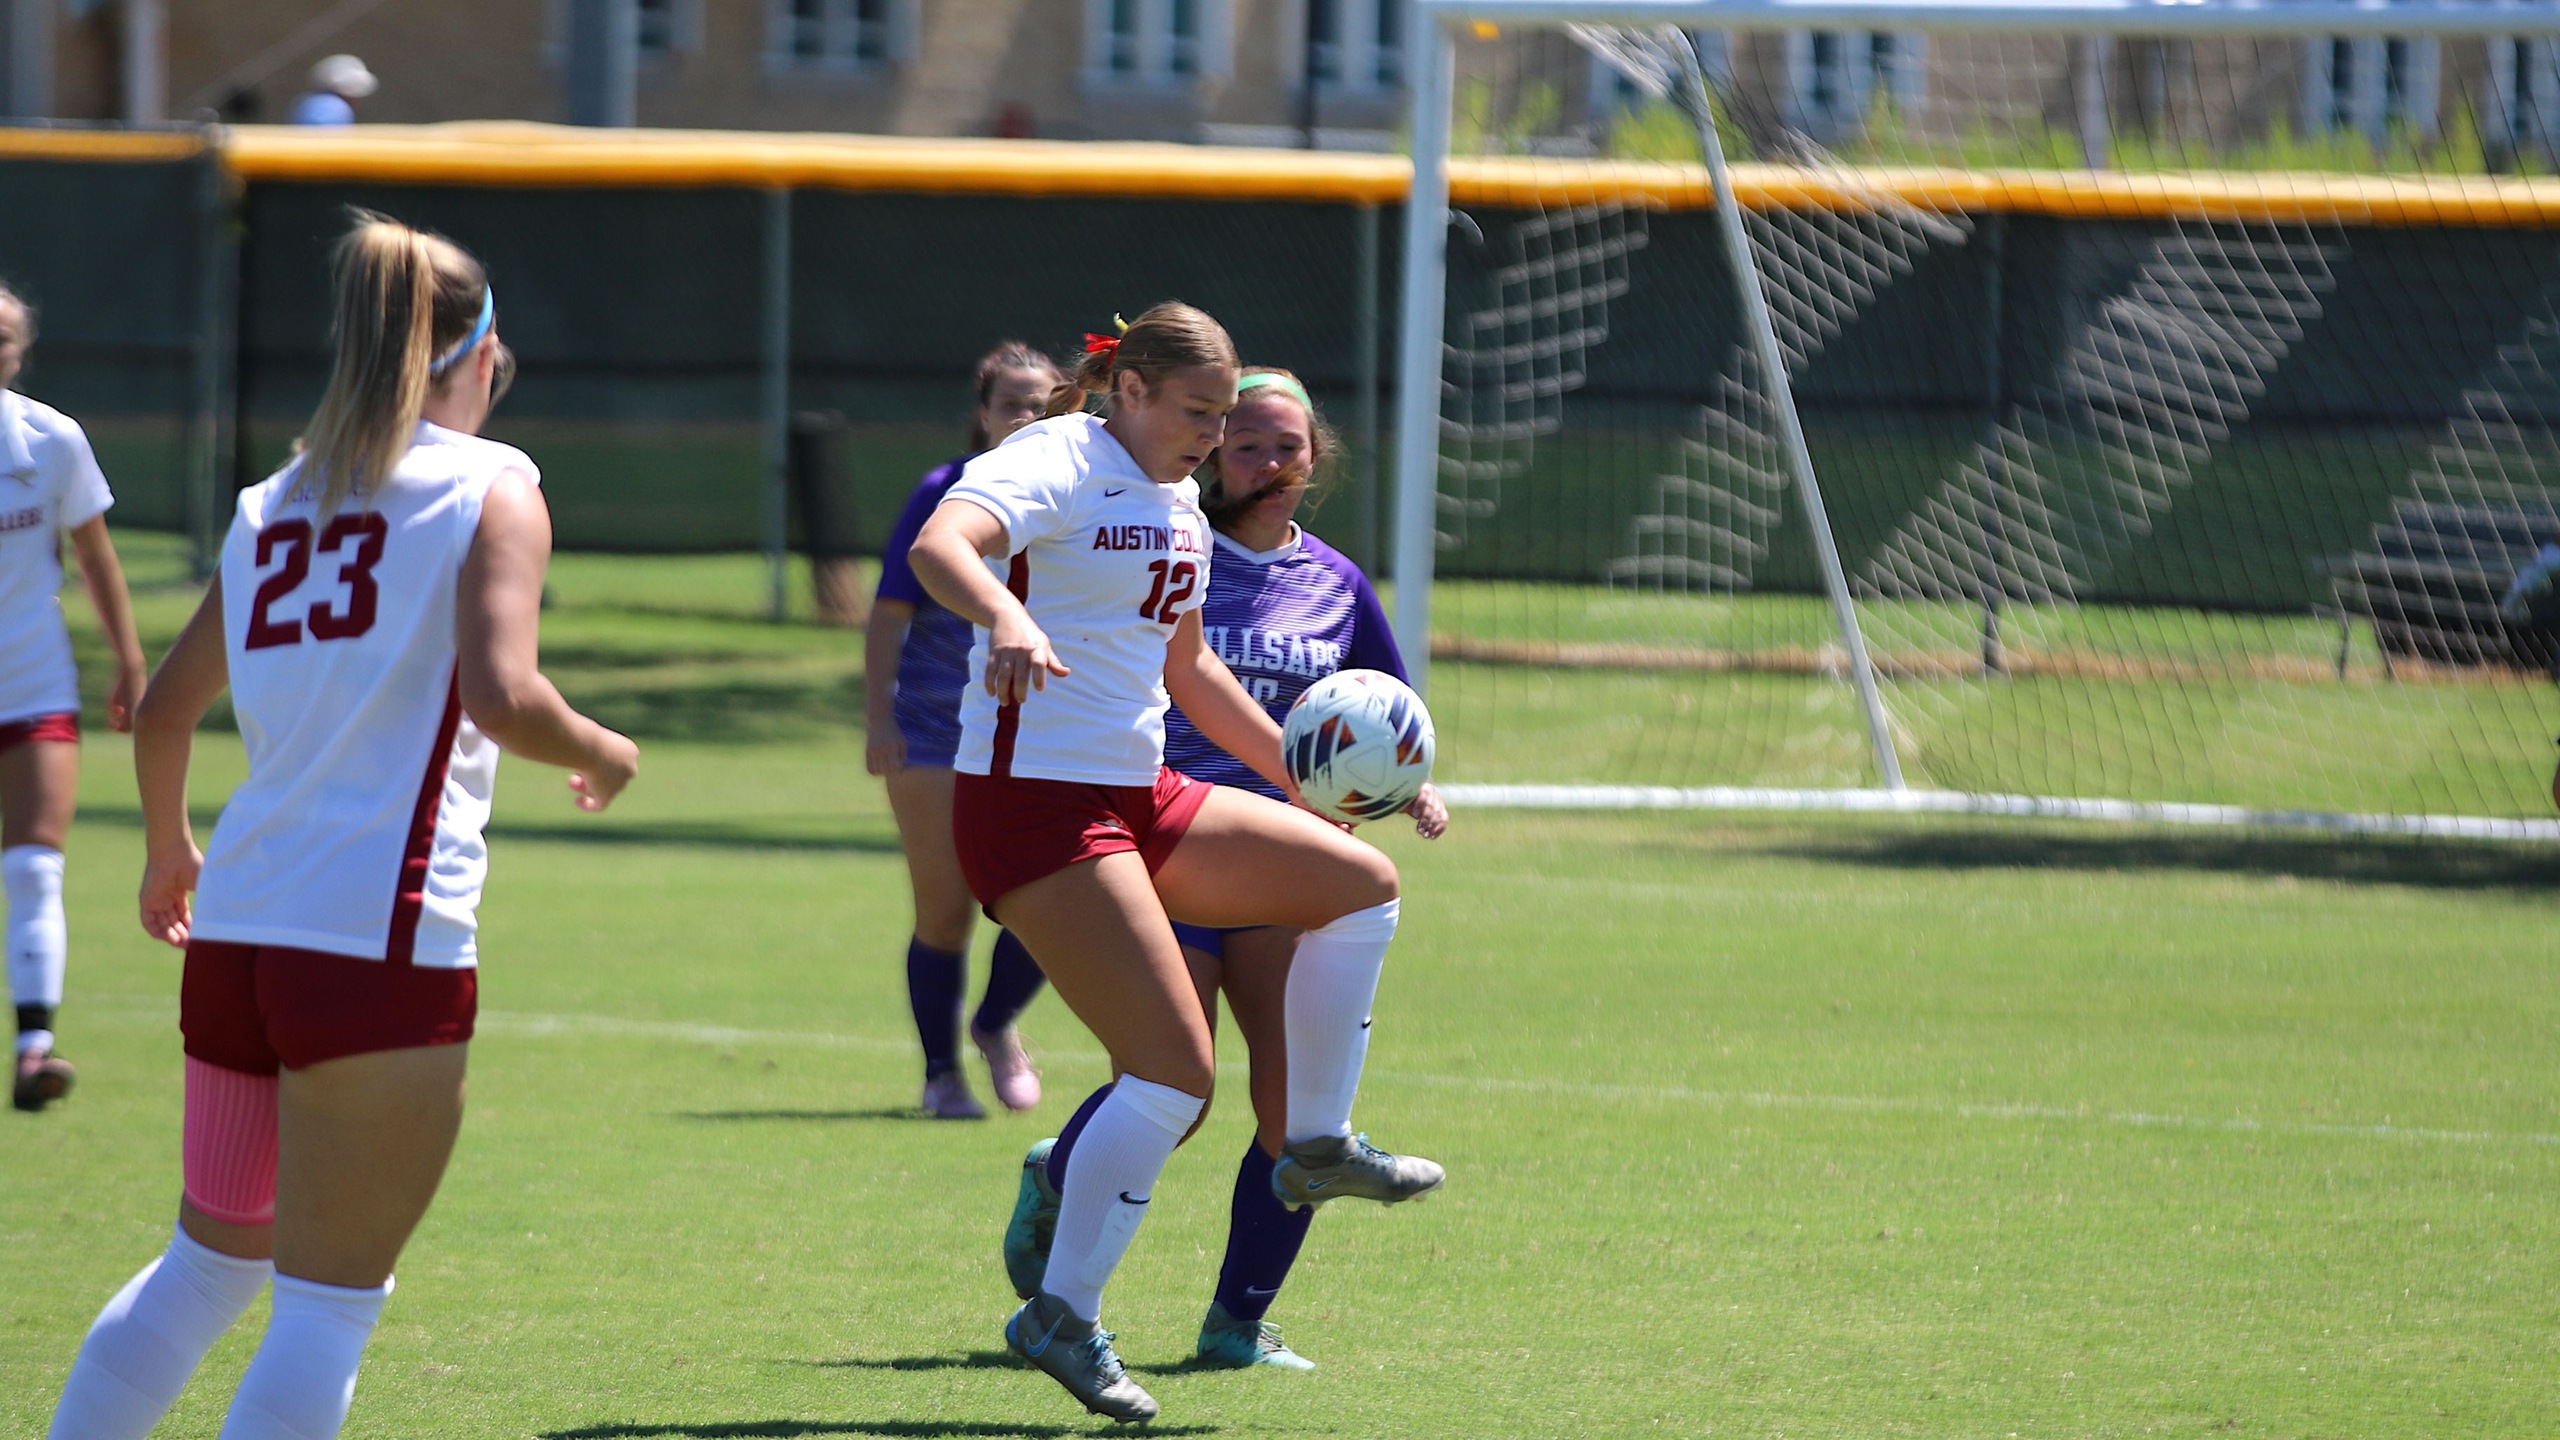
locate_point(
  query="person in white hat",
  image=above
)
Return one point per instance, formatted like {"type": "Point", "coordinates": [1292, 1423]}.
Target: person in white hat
{"type": "Point", "coordinates": [336, 83]}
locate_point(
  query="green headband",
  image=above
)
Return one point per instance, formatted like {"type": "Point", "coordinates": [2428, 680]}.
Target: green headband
{"type": "Point", "coordinates": [1272, 379]}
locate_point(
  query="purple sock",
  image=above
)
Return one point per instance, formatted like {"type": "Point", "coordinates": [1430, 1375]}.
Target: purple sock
{"type": "Point", "coordinates": [1066, 1141]}
{"type": "Point", "coordinates": [1013, 977]}
{"type": "Point", "coordinates": [934, 980]}
{"type": "Point", "coordinates": [1263, 1237]}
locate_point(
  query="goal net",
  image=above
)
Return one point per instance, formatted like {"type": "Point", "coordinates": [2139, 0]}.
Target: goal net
{"type": "Point", "coordinates": [2153, 415]}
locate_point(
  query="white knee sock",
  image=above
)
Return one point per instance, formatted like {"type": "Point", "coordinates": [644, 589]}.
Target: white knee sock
{"type": "Point", "coordinates": [149, 1339]}
{"type": "Point", "coordinates": [1332, 982]}
{"type": "Point", "coordinates": [299, 1384]}
{"type": "Point", "coordinates": [1111, 1175]}
{"type": "Point", "coordinates": [33, 877]}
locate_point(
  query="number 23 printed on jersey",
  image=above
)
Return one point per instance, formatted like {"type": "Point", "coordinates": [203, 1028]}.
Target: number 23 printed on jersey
{"type": "Point", "coordinates": [292, 539]}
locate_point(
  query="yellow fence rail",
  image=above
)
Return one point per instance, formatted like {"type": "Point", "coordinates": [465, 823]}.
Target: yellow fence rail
{"type": "Point", "coordinates": [484, 153]}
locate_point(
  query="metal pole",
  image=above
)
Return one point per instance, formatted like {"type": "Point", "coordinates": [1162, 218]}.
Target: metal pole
{"type": "Point", "coordinates": [1364, 412]}
{"type": "Point", "coordinates": [1994, 230]}
{"type": "Point", "coordinates": [1773, 366]}
{"type": "Point", "coordinates": [777, 397]}
{"type": "Point", "coordinates": [1307, 91]}
{"type": "Point", "coordinates": [204, 400]}
{"type": "Point", "coordinates": [1418, 343]}
{"type": "Point", "coordinates": [604, 62]}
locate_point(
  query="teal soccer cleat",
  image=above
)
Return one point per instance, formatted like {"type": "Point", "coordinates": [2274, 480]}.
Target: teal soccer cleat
{"type": "Point", "coordinates": [1232, 1344]}
{"type": "Point", "coordinates": [1336, 1167]}
{"type": "Point", "coordinates": [1078, 1355]}
{"type": "Point", "coordinates": [1034, 1224]}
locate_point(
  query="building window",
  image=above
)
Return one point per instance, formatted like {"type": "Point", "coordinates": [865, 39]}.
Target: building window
{"type": "Point", "coordinates": [667, 29]}
{"type": "Point", "coordinates": [842, 36]}
{"type": "Point", "coordinates": [2524, 97]}
{"type": "Point", "coordinates": [1836, 76]}
{"type": "Point", "coordinates": [1155, 42]}
{"type": "Point", "coordinates": [1357, 45]}
{"type": "Point", "coordinates": [2372, 87]}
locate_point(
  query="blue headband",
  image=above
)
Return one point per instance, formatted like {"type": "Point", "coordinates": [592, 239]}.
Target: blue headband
{"type": "Point", "coordinates": [479, 332]}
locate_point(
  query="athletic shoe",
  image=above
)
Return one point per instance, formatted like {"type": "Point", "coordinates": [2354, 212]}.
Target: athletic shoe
{"type": "Point", "coordinates": [947, 1097]}
{"type": "Point", "coordinates": [1333, 1167]}
{"type": "Point", "coordinates": [1017, 1085]}
{"type": "Point", "coordinates": [1078, 1355]}
{"type": "Point", "coordinates": [43, 1077]}
{"type": "Point", "coordinates": [1034, 1224]}
{"type": "Point", "coordinates": [1232, 1344]}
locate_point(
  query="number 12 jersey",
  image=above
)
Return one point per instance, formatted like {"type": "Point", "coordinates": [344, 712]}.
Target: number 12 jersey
{"type": "Point", "coordinates": [358, 831]}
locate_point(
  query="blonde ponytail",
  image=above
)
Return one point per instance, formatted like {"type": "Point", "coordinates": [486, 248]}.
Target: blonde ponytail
{"type": "Point", "coordinates": [402, 296]}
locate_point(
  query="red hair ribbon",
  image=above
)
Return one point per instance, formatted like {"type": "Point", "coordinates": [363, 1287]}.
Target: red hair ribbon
{"type": "Point", "coordinates": [1100, 344]}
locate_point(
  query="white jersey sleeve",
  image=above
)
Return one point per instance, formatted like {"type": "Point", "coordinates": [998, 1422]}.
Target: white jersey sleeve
{"type": "Point", "coordinates": [50, 485]}
{"type": "Point", "coordinates": [1028, 483]}
{"type": "Point", "coordinates": [1108, 562]}
{"type": "Point", "coordinates": [359, 829]}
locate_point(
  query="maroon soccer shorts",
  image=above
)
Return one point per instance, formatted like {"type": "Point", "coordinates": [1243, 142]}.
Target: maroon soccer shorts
{"type": "Point", "coordinates": [1012, 831]}
{"type": "Point", "coordinates": [255, 1008]}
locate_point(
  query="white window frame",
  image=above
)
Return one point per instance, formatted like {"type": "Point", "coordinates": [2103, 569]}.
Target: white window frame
{"type": "Point", "coordinates": [1151, 56]}
{"type": "Point", "coordinates": [2363, 103]}
{"type": "Point", "coordinates": [840, 43]}
{"type": "Point", "coordinates": [2524, 94]}
{"type": "Point", "coordinates": [1363, 62]}
{"type": "Point", "coordinates": [1904, 71]}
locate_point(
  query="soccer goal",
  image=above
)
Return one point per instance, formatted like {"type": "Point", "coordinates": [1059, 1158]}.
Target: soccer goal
{"type": "Point", "coordinates": [2102, 408]}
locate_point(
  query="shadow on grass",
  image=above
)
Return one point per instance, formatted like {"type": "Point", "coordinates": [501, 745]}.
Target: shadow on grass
{"type": "Point", "coordinates": [973, 1360]}
{"type": "Point", "coordinates": [917, 1428]}
{"type": "Point", "coordinates": [672, 834]}
{"type": "Point", "coordinates": [823, 1116]}
{"type": "Point", "coordinates": [686, 834]}
{"type": "Point", "coordinates": [2434, 865]}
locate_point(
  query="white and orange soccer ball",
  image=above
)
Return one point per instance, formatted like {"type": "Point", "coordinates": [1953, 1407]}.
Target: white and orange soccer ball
{"type": "Point", "coordinates": [1359, 744]}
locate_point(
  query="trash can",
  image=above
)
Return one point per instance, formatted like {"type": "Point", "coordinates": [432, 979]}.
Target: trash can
{"type": "Point", "coordinates": [822, 494]}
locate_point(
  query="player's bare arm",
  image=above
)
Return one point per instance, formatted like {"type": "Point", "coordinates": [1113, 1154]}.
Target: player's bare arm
{"type": "Point", "coordinates": [103, 575]}
{"type": "Point", "coordinates": [185, 686]}
{"type": "Point", "coordinates": [1207, 691]}
{"type": "Point", "coordinates": [498, 616]}
{"type": "Point", "coordinates": [946, 559]}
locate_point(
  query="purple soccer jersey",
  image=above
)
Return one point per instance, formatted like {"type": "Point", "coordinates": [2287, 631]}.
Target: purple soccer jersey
{"type": "Point", "coordinates": [1282, 620]}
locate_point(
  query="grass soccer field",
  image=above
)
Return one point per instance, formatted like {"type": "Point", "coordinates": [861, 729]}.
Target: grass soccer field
{"type": "Point", "coordinates": [1756, 1127]}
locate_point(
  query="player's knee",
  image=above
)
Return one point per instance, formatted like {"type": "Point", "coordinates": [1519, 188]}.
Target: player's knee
{"type": "Point", "coordinates": [1378, 879]}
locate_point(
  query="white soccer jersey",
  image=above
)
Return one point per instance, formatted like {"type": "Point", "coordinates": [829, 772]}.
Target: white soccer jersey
{"type": "Point", "coordinates": [358, 830]}
{"type": "Point", "coordinates": [50, 485]}
{"type": "Point", "coordinates": [1107, 561]}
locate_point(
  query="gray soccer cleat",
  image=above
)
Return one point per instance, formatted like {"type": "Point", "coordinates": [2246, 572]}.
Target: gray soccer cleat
{"type": "Point", "coordinates": [1078, 1355]}
{"type": "Point", "coordinates": [1335, 1167]}
{"type": "Point", "coordinates": [1033, 1226]}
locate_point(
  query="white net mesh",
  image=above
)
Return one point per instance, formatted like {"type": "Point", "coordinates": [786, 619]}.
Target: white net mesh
{"type": "Point", "coordinates": [2173, 478]}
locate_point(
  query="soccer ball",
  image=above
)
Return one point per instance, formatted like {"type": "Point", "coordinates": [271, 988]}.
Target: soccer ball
{"type": "Point", "coordinates": [1359, 745]}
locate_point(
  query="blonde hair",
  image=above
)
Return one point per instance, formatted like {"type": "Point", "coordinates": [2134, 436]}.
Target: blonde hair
{"type": "Point", "coordinates": [404, 296]}
{"type": "Point", "coordinates": [1224, 509]}
{"type": "Point", "coordinates": [1168, 337]}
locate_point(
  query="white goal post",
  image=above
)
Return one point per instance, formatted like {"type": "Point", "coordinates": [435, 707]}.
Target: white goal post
{"type": "Point", "coordinates": [2282, 272]}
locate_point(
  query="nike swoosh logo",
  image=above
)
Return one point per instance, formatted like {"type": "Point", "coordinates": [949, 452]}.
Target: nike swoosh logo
{"type": "Point", "coordinates": [1127, 1199]}
{"type": "Point", "coordinates": [1366, 1023]}
{"type": "Point", "coordinates": [1262, 1289]}
{"type": "Point", "coordinates": [1107, 494]}
{"type": "Point", "coordinates": [1036, 1351]}
{"type": "Point", "coordinates": [1314, 1185]}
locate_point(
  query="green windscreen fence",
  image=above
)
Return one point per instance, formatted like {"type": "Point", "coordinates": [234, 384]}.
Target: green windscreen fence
{"type": "Point", "coordinates": [638, 316]}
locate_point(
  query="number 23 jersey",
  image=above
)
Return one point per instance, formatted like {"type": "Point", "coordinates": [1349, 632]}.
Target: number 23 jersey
{"type": "Point", "coordinates": [1108, 562]}
{"type": "Point", "coordinates": [358, 831]}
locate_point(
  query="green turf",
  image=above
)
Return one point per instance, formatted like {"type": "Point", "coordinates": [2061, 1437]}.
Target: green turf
{"type": "Point", "coordinates": [1757, 1127]}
